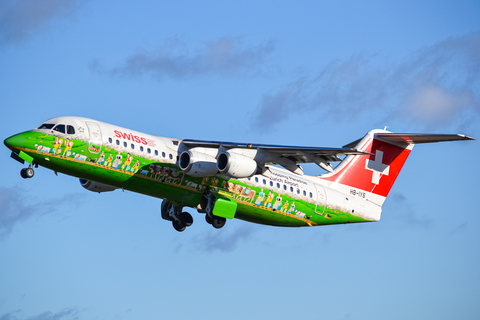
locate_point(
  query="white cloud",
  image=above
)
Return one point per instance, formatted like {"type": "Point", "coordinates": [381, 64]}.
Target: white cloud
{"type": "Point", "coordinates": [224, 56]}
{"type": "Point", "coordinates": [435, 86]}
{"type": "Point", "coordinates": [20, 18]}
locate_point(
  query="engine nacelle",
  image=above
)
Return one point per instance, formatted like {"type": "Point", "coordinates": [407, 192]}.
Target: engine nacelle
{"type": "Point", "coordinates": [197, 164]}
{"type": "Point", "coordinates": [96, 186]}
{"type": "Point", "coordinates": [236, 165]}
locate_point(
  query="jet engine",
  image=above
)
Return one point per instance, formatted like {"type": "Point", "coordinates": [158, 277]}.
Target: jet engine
{"type": "Point", "coordinates": [197, 164]}
{"type": "Point", "coordinates": [96, 186]}
{"type": "Point", "coordinates": [236, 165]}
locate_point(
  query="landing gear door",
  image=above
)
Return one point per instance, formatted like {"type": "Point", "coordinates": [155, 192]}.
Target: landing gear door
{"type": "Point", "coordinates": [95, 142]}
{"type": "Point", "coordinates": [321, 201]}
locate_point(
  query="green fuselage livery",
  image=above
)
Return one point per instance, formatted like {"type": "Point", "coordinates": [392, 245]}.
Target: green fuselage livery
{"type": "Point", "coordinates": [223, 180]}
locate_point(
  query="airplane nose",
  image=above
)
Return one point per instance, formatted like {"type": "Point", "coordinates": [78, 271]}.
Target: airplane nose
{"type": "Point", "coordinates": [17, 140]}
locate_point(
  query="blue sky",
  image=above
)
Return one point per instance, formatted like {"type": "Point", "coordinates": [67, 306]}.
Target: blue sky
{"type": "Point", "coordinates": [315, 73]}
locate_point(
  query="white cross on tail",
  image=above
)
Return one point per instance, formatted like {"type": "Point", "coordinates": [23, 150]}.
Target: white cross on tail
{"type": "Point", "coordinates": [377, 167]}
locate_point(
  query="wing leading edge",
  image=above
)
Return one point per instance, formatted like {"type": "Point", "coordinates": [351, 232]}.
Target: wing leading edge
{"type": "Point", "coordinates": [286, 156]}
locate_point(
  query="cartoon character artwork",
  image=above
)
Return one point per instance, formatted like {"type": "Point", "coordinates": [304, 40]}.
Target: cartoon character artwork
{"type": "Point", "coordinates": [126, 164]}
{"type": "Point", "coordinates": [79, 157]}
{"type": "Point", "coordinates": [42, 149]}
{"type": "Point", "coordinates": [174, 176]}
{"type": "Point", "coordinates": [56, 145]}
{"type": "Point", "coordinates": [285, 207]}
{"type": "Point", "coordinates": [101, 159]}
{"type": "Point", "coordinates": [300, 214]}
{"type": "Point", "coordinates": [268, 202]}
{"type": "Point", "coordinates": [247, 194]}
{"type": "Point", "coordinates": [108, 162]}
{"type": "Point", "coordinates": [135, 167]}
{"type": "Point", "coordinates": [292, 207]}
{"type": "Point", "coordinates": [214, 183]}
{"type": "Point", "coordinates": [68, 148]}
{"type": "Point", "coordinates": [191, 184]}
{"type": "Point", "coordinates": [118, 160]}
{"type": "Point", "coordinates": [277, 204]}
{"type": "Point", "coordinates": [260, 198]}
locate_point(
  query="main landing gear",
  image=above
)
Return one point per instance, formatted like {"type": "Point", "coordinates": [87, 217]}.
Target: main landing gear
{"type": "Point", "coordinates": [180, 220]}
{"type": "Point", "coordinates": [206, 206]}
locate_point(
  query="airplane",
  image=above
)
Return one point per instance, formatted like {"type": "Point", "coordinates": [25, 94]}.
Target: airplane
{"type": "Point", "coordinates": [258, 183]}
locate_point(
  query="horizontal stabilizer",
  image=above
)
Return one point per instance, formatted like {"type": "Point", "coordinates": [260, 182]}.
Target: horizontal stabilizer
{"type": "Point", "coordinates": [415, 138]}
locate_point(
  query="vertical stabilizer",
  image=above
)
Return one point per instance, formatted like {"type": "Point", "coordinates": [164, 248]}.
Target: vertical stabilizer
{"type": "Point", "coordinates": [373, 175]}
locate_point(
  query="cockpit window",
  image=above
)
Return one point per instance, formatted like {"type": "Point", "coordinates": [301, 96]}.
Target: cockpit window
{"type": "Point", "coordinates": [46, 126]}
{"type": "Point", "coordinates": [70, 129]}
{"type": "Point", "coordinates": [60, 128]}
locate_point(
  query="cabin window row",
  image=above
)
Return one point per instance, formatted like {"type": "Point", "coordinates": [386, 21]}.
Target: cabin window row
{"type": "Point", "coordinates": [285, 187]}
{"type": "Point", "coordinates": [141, 148]}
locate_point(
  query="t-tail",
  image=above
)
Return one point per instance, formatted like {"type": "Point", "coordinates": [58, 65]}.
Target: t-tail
{"type": "Point", "coordinates": [374, 174]}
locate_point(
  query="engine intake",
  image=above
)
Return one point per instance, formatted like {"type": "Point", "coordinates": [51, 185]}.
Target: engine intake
{"type": "Point", "coordinates": [236, 165]}
{"type": "Point", "coordinates": [96, 186]}
{"type": "Point", "coordinates": [197, 164]}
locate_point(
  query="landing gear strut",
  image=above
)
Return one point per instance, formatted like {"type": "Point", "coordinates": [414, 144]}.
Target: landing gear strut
{"type": "Point", "coordinates": [180, 220]}
{"type": "Point", "coordinates": [206, 206]}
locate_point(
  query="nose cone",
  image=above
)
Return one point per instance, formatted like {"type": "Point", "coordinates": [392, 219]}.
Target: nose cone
{"type": "Point", "coordinates": [16, 141]}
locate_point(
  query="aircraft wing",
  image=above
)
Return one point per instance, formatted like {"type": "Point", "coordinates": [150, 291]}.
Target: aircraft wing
{"type": "Point", "coordinates": [286, 156]}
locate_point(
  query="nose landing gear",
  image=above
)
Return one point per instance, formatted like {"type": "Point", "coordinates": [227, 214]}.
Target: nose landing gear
{"type": "Point", "coordinates": [27, 173]}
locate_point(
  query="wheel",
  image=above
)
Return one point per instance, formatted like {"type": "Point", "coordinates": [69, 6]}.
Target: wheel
{"type": "Point", "coordinates": [186, 219]}
{"type": "Point", "coordinates": [208, 219]}
{"type": "Point", "coordinates": [29, 172]}
{"type": "Point", "coordinates": [218, 222]}
{"type": "Point", "coordinates": [178, 226]}
{"type": "Point", "coordinates": [23, 174]}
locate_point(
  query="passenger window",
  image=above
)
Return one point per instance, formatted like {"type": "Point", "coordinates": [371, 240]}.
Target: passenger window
{"type": "Point", "coordinates": [60, 128]}
{"type": "Point", "coordinates": [148, 150]}
{"type": "Point", "coordinates": [271, 183]}
{"type": "Point", "coordinates": [291, 189]}
{"type": "Point", "coordinates": [110, 140]}
{"type": "Point", "coordinates": [284, 187]}
{"type": "Point", "coordinates": [141, 148]}
{"type": "Point", "coordinates": [132, 146]}
{"type": "Point", "coordinates": [256, 179]}
{"type": "Point", "coordinates": [278, 185]}
{"type": "Point", "coordinates": [311, 195]}
{"type": "Point", "coordinates": [70, 130]}
{"type": "Point", "coordinates": [156, 152]}
{"type": "Point", "coordinates": [298, 191]}
{"type": "Point", "coordinates": [264, 181]}
{"type": "Point", "coordinates": [170, 156]}
{"type": "Point", "coordinates": [163, 154]}
{"type": "Point", "coordinates": [304, 193]}
{"type": "Point", "coordinates": [118, 142]}
{"type": "Point", "coordinates": [46, 126]}
{"type": "Point", "coordinates": [125, 144]}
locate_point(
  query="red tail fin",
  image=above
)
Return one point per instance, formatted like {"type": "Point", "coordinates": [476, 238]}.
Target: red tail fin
{"type": "Point", "coordinates": [375, 174]}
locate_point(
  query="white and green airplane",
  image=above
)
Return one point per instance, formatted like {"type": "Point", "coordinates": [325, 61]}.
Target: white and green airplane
{"type": "Point", "coordinates": [224, 180]}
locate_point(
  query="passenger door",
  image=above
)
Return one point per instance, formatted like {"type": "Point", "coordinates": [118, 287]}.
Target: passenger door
{"type": "Point", "coordinates": [95, 137]}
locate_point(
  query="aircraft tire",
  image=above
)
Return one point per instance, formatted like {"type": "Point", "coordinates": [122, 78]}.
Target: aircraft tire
{"type": "Point", "coordinates": [186, 219]}
{"type": "Point", "coordinates": [218, 222]}
{"type": "Point", "coordinates": [29, 172]}
{"type": "Point", "coordinates": [208, 219]}
{"type": "Point", "coordinates": [178, 226]}
{"type": "Point", "coordinates": [23, 174]}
